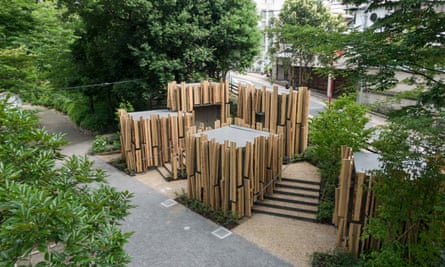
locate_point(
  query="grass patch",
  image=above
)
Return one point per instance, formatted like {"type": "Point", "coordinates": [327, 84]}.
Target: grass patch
{"type": "Point", "coordinates": [229, 221]}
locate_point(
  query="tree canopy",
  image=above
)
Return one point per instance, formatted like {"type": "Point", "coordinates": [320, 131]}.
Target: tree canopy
{"type": "Point", "coordinates": [410, 213]}
{"type": "Point", "coordinates": [153, 42]}
{"type": "Point", "coordinates": [409, 219]}
{"type": "Point", "coordinates": [34, 47]}
{"type": "Point", "coordinates": [86, 57]}
{"type": "Point", "coordinates": [409, 39]}
{"type": "Point", "coordinates": [307, 32]}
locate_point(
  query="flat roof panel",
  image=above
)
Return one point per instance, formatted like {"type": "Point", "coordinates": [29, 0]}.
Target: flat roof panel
{"type": "Point", "coordinates": [163, 113]}
{"type": "Point", "coordinates": [233, 133]}
{"type": "Point", "coordinates": [365, 162]}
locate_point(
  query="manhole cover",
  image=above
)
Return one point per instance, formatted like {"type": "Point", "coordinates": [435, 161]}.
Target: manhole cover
{"type": "Point", "coordinates": [169, 203]}
{"type": "Point", "coordinates": [221, 233]}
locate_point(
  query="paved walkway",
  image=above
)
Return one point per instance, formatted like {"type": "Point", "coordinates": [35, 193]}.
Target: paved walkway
{"type": "Point", "coordinates": [172, 236]}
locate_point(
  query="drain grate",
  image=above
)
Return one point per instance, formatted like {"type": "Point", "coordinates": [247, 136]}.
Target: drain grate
{"type": "Point", "coordinates": [169, 203]}
{"type": "Point", "coordinates": [221, 233]}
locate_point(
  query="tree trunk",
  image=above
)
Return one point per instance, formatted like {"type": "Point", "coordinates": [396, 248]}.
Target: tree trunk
{"type": "Point", "coordinates": [91, 100]}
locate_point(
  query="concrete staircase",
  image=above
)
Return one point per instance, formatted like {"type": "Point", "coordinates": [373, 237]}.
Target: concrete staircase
{"type": "Point", "coordinates": [294, 198]}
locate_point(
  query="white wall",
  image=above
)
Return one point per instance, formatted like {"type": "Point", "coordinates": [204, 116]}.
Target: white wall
{"type": "Point", "coordinates": [266, 9]}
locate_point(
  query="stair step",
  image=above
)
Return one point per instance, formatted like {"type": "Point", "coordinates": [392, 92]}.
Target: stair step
{"type": "Point", "coordinates": [295, 193]}
{"type": "Point", "coordinates": [289, 199]}
{"type": "Point", "coordinates": [288, 205]}
{"type": "Point", "coordinates": [302, 199]}
{"type": "Point", "coordinates": [277, 206]}
{"type": "Point", "coordinates": [285, 213]}
{"type": "Point", "coordinates": [295, 180]}
{"type": "Point", "coordinates": [317, 190]}
{"type": "Point", "coordinates": [290, 183]}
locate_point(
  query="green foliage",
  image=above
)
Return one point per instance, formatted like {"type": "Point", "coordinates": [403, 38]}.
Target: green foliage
{"type": "Point", "coordinates": [101, 120]}
{"type": "Point", "coordinates": [343, 123]}
{"type": "Point", "coordinates": [99, 144]}
{"type": "Point", "coordinates": [306, 30]}
{"type": "Point", "coordinates": [34, 48]}
{"type": "Point", "coordinates": [410, 39]}
{"type": "Point", "coordinates": [106, 143]}
{"type": "Point", "coordinates": [18, 73]}
{"type": "Point", "coordinates": [15, 17]}
{"type": "Point", "coordinates": [411, 201]}
{"type": "Point", "coordinates": [120, 164]}
{"type": "Point", "coordinates": [155, 42]}
{"type": "Point", "coordinates": [336, 258]}
{"type": "Point", "coordinates": [229, 221]}
{"type": "Point", "coordinates": [312, 13]}
{"type": "Point", "coordinates": [326, 208]}
{"type": "Point", "coordinates": [42, 203]}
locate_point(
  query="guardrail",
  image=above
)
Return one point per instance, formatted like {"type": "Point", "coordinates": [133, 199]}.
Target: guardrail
{"type": "Point", "coordinates": [234, 88]}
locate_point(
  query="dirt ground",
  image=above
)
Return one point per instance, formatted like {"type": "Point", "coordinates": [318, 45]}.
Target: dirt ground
{"type": "Point", "coordinates": [288, 239]}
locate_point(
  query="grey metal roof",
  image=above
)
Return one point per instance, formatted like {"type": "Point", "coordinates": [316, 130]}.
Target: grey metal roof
{"type": "Point", "coordinates": [163, 113]}
{"type": "Point", "coordinates": [233, 133]}
{"type": "Point", "coordinates": [365, 162]}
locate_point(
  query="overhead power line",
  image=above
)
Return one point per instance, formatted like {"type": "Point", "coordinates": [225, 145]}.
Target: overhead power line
{"type": "Point", "coordinates": [101, 84]}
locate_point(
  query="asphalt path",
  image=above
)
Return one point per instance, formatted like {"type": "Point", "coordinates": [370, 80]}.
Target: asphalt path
{"type": "Point", "coordinates": [163, 236]}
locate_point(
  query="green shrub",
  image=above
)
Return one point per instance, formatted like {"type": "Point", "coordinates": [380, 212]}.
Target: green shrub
{"type": "Point", "coordinates": [46, 199]}
{"type": "Point", "coordinates": [325, 211]}
{"type": "Point", "coordinates": [337, 258]}
{"type": "Point", "coordinates": [102, 120]}
{"type": "Point", "coordinates": [343, 123]}
{"type": "Point", "coordinates": [121, 165]}
{"type": "Point", "coordinates": [99, 144]}
{"type": "Point", "coordinates": [106, 143]}
{"type": "Point", "coordinates": [229, 221]}
{"type": "Point", "coordinates": [77, 111]}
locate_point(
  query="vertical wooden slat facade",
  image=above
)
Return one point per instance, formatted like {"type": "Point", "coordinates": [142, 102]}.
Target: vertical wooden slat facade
{"type": "Point", "coordinates": [231, 176]}
{"type": "Point", "coordinates": [149, 139]}
{"type": "Point", "coordinates": [184, 97]}
{"type": "Point", "coordinates": [285, 112]}
{"type": "Point", "coordinates": [354, 205]}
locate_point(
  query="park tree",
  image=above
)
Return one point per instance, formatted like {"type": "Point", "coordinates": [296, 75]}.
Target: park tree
{"type": "Point", "coordinates": [342, 123]}
{"type": "Point", "coordinates": [47, 203]}
{"type": "Point", "coordinates": [307, 32]}
{"type": "Point", "coordinates": [130, 49]}
{"type": "Point", "coordinates": [409, 220]}
{"type": "Point", "coordinates": [409, 39]}
{"type": "Point", "coordinates": [234, 36]}
{"type": "Point", "coordinates": [34, 49]}
{"type": "Point", "coordinates": [410, 214]}
{"type": "Point", "coordinates": [18, 72]}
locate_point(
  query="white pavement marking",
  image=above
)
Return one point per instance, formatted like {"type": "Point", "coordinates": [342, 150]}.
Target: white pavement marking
{"type": "Point", "coordinates": [221, 233]}
{"type": "Point", "coordinates": [169, 203]}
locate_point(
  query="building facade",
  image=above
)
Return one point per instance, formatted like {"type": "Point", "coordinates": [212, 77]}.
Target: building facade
{"type": "Point", "coordinates": [267, 10]}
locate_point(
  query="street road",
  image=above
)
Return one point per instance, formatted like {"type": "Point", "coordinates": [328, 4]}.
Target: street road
{"type": "Point", "coordinates": [316, 103]}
